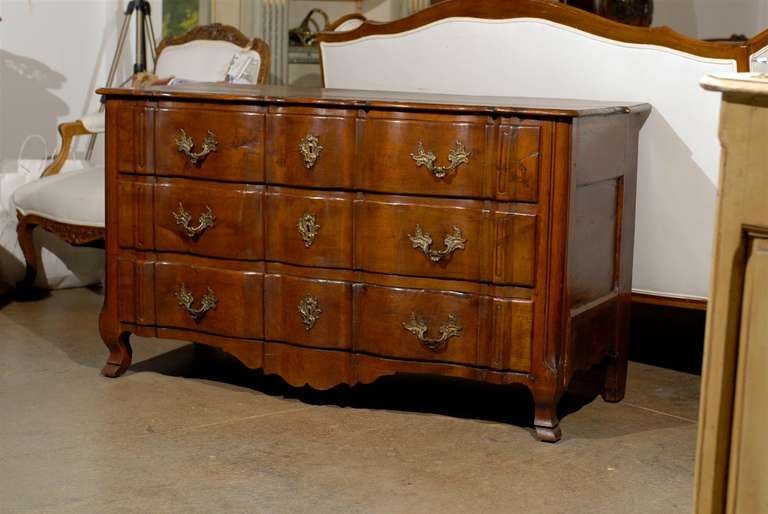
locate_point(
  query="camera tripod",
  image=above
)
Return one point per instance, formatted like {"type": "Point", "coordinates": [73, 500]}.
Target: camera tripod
{"type": "Point", "coordinates": [145, 36]}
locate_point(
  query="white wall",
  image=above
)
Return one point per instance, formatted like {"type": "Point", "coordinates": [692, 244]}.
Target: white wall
{"type": "Point", "coordinates": [53, 55]}
{"type": "Point", "coordinates": [712, 18]}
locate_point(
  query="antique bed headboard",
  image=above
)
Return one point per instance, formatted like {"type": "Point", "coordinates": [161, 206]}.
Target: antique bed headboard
{"type": "Point", "coordinates": [540, 48]}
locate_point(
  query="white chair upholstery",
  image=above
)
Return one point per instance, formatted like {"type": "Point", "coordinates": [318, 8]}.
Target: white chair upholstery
{"type": "Point", "coordinates": [74, 198]}
{"type": "Point", "coordinates": [200, 60]}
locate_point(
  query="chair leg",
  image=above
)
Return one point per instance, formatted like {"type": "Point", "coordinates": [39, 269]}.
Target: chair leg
{"type": "Point", "coordinates": [25, 231]}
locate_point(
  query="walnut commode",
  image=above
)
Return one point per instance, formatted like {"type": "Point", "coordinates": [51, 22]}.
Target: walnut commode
{"type": "Point", "coordinates": [333, 236]}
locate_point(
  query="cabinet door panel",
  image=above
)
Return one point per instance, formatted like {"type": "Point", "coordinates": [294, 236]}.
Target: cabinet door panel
{"type": "Point", "coordinates": [748, 469]}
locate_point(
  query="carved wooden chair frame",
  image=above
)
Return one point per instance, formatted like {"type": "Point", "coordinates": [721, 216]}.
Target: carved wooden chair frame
{"type": "Point", "coordinates": [84, 235]}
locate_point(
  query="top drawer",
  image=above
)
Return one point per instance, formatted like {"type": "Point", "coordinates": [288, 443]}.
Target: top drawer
{"type": "Point", "coordinates": [449, 155]}
{"type": "Point", "coordinates": [209, 141]}
{"type": "Point", "coordinates": [453, 155]}
{"type": "Point", "coordinates": [427, 154]}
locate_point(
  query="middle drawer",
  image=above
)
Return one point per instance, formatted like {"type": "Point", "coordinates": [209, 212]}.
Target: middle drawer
{"type": "Point", "coordinates": [189, 216]}
{"type": "Point", "coordinates": [402, 235]}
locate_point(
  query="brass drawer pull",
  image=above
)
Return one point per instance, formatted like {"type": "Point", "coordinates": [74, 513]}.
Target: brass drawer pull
{"type": "Point", "coordinates": [309, 310]}
{"type": "Point", "coordinates": [185, 145]}
{"type": "Point", "coordinates": [418, 327]}
{"type": "Point", "coordinates": [308, 228]}
{"type": "Point", "coordinates": [204, 222]}
{"type": "Point", "coordinates": [310, 149]}
{"type": "Point", "coordinates": [456, 157]}
{"type": "Point", "coordinates": [186, 300]}
{"type": "Point", "coordinates": [423, 241]}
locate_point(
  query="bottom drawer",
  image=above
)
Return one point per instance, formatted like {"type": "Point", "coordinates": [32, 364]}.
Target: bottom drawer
{"type": "Point", "coordinates": [193, 297]}
{"type": "Point", "coordinates": [444, 326]}
{"type": "Point", "coordinates": [404, 323]}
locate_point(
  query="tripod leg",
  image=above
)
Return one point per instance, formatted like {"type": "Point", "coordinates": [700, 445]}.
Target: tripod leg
{"type": "Point", "coordinates": [111, 76]}
{"type": "Point", "coordinates": [152, 41]}
{"type": "Point", "coordinates": [119, 50]}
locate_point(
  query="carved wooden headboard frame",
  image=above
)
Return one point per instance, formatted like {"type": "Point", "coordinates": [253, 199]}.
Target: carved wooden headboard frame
{"type": "Point", "coordinates": [228, 33]}
{"type": "Point", "coordinates": [564, 14]}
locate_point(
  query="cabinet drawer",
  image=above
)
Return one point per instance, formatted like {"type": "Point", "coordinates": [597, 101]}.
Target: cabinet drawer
{"type": "Point", "coordinates": [207, 299]}
{"type": "Point", "coordinates": [426, 154]}
{"type": "Point", "coordinates": [443, 326]}
{"type": "Point", "coordinates": [232, 141]}
{"type": "Point", "coordinates": [308, 311]}
{"type": "Point", "coordinates": [311, 147]}
{"type": "Point", "coordinates": [462, 239]}
{"type": "Point", "coordinates": [310, 228]}
{"type": "Point", "coordinates": [205, 218]}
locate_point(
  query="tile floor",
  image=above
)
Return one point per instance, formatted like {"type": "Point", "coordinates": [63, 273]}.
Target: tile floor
{"type": "Point", "coordinates": [190, 430]}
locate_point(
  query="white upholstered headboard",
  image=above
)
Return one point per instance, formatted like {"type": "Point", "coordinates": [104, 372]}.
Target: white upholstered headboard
{"type": "Point", "coordinates": [539, 49]}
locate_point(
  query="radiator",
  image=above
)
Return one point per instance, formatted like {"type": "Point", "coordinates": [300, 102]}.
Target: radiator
{"type": "Point", "coordinates": [271, 24]}
{"type": "Point", "coordinates": [408, 7]}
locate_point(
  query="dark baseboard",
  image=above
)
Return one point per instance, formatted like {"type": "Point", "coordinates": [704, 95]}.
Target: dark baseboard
{"type": "Point", "coordinates": [666, 301]}
{"type": "Point", "coordinates": [667, 332]}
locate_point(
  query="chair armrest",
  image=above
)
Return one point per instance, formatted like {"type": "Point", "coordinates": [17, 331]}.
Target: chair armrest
{"type": "Point", "coordinates": [68, 132]}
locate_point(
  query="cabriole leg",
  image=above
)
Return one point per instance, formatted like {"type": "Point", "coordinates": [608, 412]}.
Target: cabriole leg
{"type": "Point", "coordinates": [24, 231]}
{"type": "Point", "coordinates": [545, 421]}
{"type": "Point", "coordinates": [120, 354]}
{"type": "Point", "coordinates": [116, 340]}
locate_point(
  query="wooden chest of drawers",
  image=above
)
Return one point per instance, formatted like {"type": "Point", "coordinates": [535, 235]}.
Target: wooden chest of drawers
{"type": "Point", "coordinates": [337, 236]}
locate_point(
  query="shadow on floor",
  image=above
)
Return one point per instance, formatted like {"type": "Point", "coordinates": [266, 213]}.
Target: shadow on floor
{"type": "Point", "coordinates": [445, 396]}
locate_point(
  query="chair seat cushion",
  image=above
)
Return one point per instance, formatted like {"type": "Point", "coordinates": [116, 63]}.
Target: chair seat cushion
{"type": "Point", "coordinates": [75, 198]}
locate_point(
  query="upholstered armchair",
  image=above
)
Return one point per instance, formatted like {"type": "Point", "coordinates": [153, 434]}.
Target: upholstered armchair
{"type": "Point", "coordinates": [71, 205]}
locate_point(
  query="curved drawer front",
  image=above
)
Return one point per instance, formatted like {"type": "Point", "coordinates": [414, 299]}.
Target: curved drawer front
{"type": "Point", "coordinates": [198, 297]}
{"type": "Point", "coordinates": [461, 240]}
{"type": "Point", "coordinates": [308, 312]}
{"type": "Point", "coordinates": [428, 154]}
{"type": "Point", "coordinates": [236, 296]}
{"type": "Point", "coordinates": [209, 219]}
{"type": "Point", "coordinates": [190, 216]}
{"type": "Point", "coordinates": [311, 147]}
{"type": "Point", "coordinates": [209, 142]}
{"type": "Point", "coordinates": [310, 228]}
{"type": "Point", "coordinates": [444, 327]}
{"type": "Point", "coordinates": [398, 322]}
